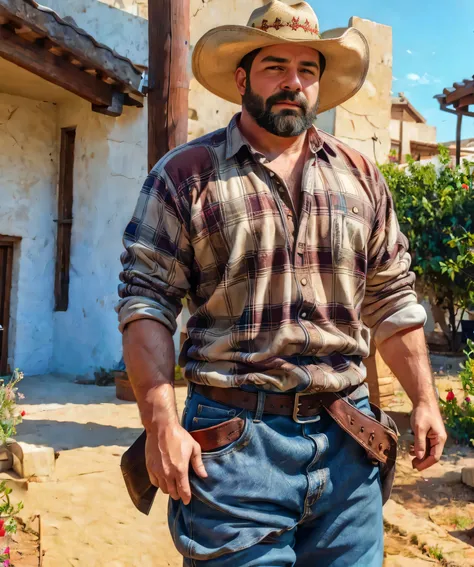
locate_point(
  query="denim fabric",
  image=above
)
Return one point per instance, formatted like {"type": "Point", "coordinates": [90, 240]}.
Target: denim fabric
{"type": "Point", "coordinates": [283, 494]}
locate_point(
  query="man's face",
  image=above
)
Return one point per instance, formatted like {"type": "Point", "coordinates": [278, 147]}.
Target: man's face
{"type": "Point", "coordinates": [282, 92]}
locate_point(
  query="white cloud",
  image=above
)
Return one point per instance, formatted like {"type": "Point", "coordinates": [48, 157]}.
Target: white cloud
{"type": "Point", "coordinates": [425, 79]}
{"type": "Point", "coordinates": [409, 52]}
{"type": "Point", "coordinates": [394, 79]}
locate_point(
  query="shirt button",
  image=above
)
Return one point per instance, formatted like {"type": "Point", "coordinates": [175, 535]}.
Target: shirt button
{"type": "Point", "coordinates": [313, 351]}
{"type": "Point", "coordinates": [304, 315]}
{"type": "Point", "coordinates": [272, 174]}
{"type": "Point", "coordinates": [304, 281]}
{"type": "Point", "coordinates": [355, 210]}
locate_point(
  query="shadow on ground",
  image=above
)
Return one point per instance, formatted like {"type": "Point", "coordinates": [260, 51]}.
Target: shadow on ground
{"type": "Point", "coordinates": [66, 435]}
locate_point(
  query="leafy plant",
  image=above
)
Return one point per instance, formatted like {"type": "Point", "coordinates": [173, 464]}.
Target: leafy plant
{"type": "Point", "coordinates": [459, 418]}
{"type": "Point", "coordinates": [10, 417]}
{"type": "Point", "coordinates": [435, 207]}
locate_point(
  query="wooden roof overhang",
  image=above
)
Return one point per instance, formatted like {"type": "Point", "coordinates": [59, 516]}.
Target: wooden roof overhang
{"type": "Point", "coordinates": [457, 100]}
{"type": "Point", "coordinates": [38, 40]}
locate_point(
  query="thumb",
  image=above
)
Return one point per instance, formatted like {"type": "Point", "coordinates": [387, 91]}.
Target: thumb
{"type": "Point", "coordinates": [420, 443]}
{"type": "Point", "coordinates": [196, 461]}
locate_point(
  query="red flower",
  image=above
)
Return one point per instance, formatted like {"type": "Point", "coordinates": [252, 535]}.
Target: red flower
{"type": "Point", "coordinates": [450, 397]}
{"type": "Point", "coordinates": [2, 532]}
{"type": "Point", "coordinates": [465, 186]}
{"type": "Point", "coordinates": [2, 523]}
{"type": "Point", "coordinates": [23, 413]}
{"type": "Point", "coordinates": [6, 551]}
{"type": "Point", "coordinates": [468, 400]}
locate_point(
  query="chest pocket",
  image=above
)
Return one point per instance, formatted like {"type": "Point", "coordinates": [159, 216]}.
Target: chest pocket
{"type": "Point", "coordinates": [350, 234]}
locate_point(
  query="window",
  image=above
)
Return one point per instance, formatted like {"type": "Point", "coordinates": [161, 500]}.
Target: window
{"type": "Point", "coordinates": [65, 198]}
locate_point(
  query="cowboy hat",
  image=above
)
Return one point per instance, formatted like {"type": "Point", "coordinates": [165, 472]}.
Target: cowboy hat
{"type": "Point", "coordinates": [218, 53]}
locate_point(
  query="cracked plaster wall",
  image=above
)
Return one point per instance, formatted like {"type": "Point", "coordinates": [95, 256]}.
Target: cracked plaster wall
{"type": "Point", "coordinates": [208, 112]}
{"type": "Point", "coordinates": [368, 113]}
{"type": "Point", "coordinates": [119, 24]}
{"type": "Point", "coordinates": [28, 172]}
{"type": "Point", "coordinates": [109, 170]}
{"type": "Point", "coordinates": [412, 131]}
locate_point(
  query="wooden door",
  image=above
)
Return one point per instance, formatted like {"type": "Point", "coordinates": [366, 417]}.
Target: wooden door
{"type": "Point", "coordinates": [6, 264]}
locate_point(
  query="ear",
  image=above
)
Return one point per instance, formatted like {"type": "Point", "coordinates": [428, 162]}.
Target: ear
{"type": "Point", "coordinates": [240, 80]}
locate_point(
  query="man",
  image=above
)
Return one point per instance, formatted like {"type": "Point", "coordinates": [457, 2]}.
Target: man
{"type": "Point", "coordinates": [287, 244]}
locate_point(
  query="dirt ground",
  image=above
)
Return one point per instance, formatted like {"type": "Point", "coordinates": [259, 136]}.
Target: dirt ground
{"type": "Point", "coordinates": [88, 519]}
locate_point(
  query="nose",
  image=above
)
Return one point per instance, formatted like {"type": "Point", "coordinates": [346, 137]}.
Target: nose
{"type": "Point", "coordinates": [291, 81]}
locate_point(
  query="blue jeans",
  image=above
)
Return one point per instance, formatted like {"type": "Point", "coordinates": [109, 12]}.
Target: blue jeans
{"type": "Point", "coordinates": [283, 494]}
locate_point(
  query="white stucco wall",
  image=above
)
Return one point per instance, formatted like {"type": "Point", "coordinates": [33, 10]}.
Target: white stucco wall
{"type": "Point", "coordinates": [117, 23]}
{"type": "Point", "coordinates": [28, 170]}
{"type": "Point", "coordinates": [412, 131]}
{"type": "Point", "coordinates": [109, 169]}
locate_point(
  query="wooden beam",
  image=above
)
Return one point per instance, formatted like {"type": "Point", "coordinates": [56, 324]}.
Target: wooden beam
{"type": "Point", "coordinates": [57, 70]}
{"type": "Point", "coordinates": [168, 82]}
{"type": "Point", "coordinates": [82, 46]}
{"type": "Point", "coordinates": [400, 149]}
{"type": "Point", "coordinates": [458, 139]}
{"type": "Point", "coordinates": [460, 92]}
{"type": "Point", "coordinates": [465, 101]}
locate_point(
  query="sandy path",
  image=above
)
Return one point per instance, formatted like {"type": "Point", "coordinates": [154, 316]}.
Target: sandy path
{"type": "Point", "coordinates": [88, 518]}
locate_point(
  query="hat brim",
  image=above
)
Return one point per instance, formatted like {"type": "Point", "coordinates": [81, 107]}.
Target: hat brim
{"type": "Point", "coordinates": [218, 53]}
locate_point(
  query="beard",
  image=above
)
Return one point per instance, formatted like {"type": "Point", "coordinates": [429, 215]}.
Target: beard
{"type": "Point", "coordinates": [287, 122]}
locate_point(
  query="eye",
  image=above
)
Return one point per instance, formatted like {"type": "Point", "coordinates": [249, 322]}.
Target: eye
{"type": "Point", "coordinates": [275, 68]}
{"type": "Point", "coordinates": [307, 71]}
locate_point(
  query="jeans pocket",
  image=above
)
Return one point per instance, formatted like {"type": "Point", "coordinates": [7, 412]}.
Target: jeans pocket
{"type": "Point", "coordinates": [203, 413]}
{"type": "Point", "coordinates": [215, 413]}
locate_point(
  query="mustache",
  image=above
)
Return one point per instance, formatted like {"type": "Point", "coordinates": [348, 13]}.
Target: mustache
{"type": "Point", "coordinates": [287, 96]}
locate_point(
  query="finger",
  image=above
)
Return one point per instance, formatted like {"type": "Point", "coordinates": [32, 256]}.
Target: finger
{"type": "Point", "coordinates": [182, 483]}
{"type": "Point", "coordinates": [163, 486]}
{"type": "Point", "coordinates": [172, 489]}
{"type": "Point", "coordinates": [196, 461]}
{"type": "Point", "coordinates": [420, 442]}
{"type": "Point", "coordinates": [154, 478]}
{"type": "Point", "coordinates": [437, 446]}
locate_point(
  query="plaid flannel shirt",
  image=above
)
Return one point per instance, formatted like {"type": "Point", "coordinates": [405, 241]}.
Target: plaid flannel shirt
{"type": "Point", "coordinates": [277, 299]}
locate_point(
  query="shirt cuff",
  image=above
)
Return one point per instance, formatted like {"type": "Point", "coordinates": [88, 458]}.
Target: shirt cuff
{"type": "Point", "coordinates": [412, 315]}
{"type": "Point", "coordinates": [135, 308]}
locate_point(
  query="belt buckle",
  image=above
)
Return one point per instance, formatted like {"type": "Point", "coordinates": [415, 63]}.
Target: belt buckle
{"type": "Point", "coordinates": [296, 407]}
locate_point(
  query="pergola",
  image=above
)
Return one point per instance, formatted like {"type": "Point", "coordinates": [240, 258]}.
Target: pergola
{"type": "Point", "coordinates": [456, 100]}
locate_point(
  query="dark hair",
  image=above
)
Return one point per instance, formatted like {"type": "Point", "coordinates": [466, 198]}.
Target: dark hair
{"type": "Point", "coordinates": [249, 58]}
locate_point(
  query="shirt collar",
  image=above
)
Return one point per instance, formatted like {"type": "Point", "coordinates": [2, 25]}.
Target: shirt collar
{"type": "Point", "coordinates": [235, 140]}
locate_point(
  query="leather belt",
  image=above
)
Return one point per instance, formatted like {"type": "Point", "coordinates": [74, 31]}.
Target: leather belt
{"type": "Point", "coordinates": [379, 441]}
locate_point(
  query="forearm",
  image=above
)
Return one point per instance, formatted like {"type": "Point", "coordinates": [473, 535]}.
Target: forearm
{"type": "Point", "coordinates": [407, 356]}
{"type": "Point", "coordinates": [149, 355]}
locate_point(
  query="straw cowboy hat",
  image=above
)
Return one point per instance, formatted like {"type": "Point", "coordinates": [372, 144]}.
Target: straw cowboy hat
{"type": "Point", "coordinates": [219, 52]}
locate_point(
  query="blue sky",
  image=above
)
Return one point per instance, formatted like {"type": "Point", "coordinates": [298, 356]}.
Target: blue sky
{"type": "Point", "coordinates": [433, 47]}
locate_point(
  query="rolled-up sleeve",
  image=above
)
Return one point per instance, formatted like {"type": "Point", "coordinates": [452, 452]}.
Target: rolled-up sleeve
{"type": "Point", "coordinates": [158, 255]}
{"type": "Point", "coordinates": [390, 304]}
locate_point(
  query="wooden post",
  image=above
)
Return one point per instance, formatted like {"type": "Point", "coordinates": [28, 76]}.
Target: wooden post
{"type": "Point", "coordinates": [400, 149]}
{"type": "Point", "coordinates": [168, 81]}
{"type": "Point", "coordinates": [458, 138]}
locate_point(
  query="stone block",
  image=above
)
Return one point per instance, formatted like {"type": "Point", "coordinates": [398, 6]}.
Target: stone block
{"type": "Point", "coordinates": [467, 476]}
{"type": "Point", "coordinates": [33, 460]}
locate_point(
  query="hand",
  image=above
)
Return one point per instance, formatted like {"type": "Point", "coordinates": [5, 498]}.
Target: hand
{"type": "Point", "coordinates": [430, 435]}
{"type": "Point", "coordinates": [168, 454]}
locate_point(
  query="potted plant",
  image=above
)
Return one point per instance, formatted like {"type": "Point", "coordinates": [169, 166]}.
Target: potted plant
{"type": "Point", "coordinates": [10, 417]}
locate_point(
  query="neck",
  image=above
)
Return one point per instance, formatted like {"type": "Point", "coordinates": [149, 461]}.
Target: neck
{"type": "Point", "coordinates": [267, 143]}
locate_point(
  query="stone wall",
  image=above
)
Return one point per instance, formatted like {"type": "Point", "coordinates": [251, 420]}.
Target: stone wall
{"type": "Point", "coordinates": [367, 115]}
{"type": "Point", "coordinates": [28, 171]}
